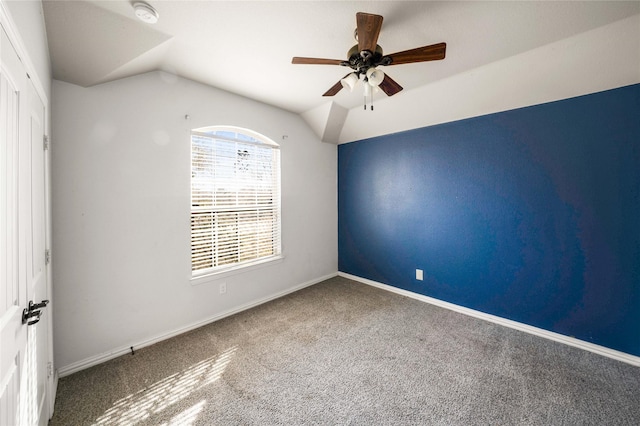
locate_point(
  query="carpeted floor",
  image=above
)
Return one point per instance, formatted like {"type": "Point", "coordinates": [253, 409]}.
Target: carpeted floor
{"type": "Point", "coordinates": [342, 352]}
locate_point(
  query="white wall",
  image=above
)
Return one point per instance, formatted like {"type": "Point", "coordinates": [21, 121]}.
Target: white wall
{"type": "Point", "coordinates": [121, 180]}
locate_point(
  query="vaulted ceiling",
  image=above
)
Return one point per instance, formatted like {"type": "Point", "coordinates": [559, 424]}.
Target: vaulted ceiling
{"type": "Point", "coordinates": [246, 47]}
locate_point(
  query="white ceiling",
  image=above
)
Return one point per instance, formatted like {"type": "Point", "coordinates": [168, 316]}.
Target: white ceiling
{"type": "Point", "coordinates": [246, 47]}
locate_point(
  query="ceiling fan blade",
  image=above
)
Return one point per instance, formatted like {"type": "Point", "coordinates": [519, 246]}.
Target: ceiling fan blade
{"type": "Point", "coordinates": [368, 30]}
{"type": "Point", "coordinates": [316, 61]}
{"type": "Point", "coordinates": [334, 89]}
{"type": "Point", "coordinates": [389, 86]}
{"type": "Point", "coordinates": [433, 52]}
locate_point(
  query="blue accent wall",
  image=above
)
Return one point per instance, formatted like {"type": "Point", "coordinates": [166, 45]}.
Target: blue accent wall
{"type": "Point", "coordinates": [531, 214]}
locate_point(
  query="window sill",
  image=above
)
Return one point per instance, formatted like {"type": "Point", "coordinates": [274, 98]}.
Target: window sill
{"type": "Point", "coordinates": [234, 270]}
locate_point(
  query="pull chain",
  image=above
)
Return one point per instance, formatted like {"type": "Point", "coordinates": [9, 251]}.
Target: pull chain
{"type": "Point", "coordinates": [365, 102]}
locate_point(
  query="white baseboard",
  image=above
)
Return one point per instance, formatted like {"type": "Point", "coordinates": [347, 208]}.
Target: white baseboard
{"type": "Point", "coordinates": [571, 341]}
{"type": "Point", "coordinates": [98, 359]}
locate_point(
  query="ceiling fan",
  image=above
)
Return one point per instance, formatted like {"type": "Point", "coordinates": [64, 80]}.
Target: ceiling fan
{"type": "Point", "coordinates": [367, 55]}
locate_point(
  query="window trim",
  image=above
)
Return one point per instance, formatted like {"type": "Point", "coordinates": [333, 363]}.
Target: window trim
{"type": "Point", "coordinates": [205, 275]}
{"type": "Point", "coordinates": [235, 270]}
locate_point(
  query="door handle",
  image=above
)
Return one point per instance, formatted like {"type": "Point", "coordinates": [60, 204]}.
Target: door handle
{"type": "Point", "coordinates": [31, 314]}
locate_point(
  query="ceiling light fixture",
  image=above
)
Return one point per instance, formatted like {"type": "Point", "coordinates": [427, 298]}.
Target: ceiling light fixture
{"type": "Point", "coordinates": [373, 77]}
{"type": "Point", "coordinates": [350, 81]}
{"type": "Point", "coordinates": [145, 12]}
{"type": "Point", "coordinates": [364, 58]}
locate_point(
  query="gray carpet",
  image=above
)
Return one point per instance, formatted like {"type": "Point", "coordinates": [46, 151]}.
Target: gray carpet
{"type": "Point", "coordinates": [341, 352]}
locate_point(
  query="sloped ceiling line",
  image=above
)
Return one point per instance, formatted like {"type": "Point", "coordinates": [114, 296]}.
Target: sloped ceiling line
{"type": "Point", "coordinates": [246, 48]}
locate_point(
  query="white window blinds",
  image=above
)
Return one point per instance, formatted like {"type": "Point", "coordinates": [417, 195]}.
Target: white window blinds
{"type": "Point", "coordinates": [235, 199]}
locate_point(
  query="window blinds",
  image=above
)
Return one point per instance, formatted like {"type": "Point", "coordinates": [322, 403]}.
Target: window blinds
{"type": "Point", "coordinates": [235, 200]}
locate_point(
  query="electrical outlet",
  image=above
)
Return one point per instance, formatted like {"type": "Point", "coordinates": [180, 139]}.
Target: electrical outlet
{"type": "Point", "coordinates": [223, 288]}
{"type": "Point", "coordinates": [419, 275]}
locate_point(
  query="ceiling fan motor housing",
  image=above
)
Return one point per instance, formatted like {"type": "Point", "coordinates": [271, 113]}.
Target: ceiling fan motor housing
{"type": "Point", "coordinates": [361, 61]}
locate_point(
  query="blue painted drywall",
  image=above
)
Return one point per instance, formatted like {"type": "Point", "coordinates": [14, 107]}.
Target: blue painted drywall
{"type": "Point", "coordinates": [531, 214]}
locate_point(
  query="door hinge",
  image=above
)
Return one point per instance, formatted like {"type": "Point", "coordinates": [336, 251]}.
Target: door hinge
{"type": "Point", "coordinates": [45, 140]}
{"type": "Point", "coordinates": [49, 369]}
{"type": "Point", "coordinates": [47, 256]}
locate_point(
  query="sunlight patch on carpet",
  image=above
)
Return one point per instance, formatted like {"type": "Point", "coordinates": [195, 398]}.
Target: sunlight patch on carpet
{"type": "Point", "coordinates": [187, 417]}
{"type": "Point", "coordinates": [168, 391]}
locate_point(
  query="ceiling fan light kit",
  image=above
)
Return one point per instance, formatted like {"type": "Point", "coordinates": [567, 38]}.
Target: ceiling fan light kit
{"type": "Point", "coordinates": [367, 55]}
{"type": "Point", "coordinates": [350, 81]}
{"type": "Point", "coordinates": [375, 76]}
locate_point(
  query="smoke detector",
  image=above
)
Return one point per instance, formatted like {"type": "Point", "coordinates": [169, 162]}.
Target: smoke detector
{"type": "Point", "coordinates": [145, 12]}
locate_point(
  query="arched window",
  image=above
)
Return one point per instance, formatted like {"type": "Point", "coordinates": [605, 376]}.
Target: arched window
{"type": "Point", "coordinates": [235, 199]}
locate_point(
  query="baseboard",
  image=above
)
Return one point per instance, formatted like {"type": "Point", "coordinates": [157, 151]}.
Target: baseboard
{"type": "Point", "coordinates": [571, 341]}
{"type": "Point", "coordinates": [98, 359]}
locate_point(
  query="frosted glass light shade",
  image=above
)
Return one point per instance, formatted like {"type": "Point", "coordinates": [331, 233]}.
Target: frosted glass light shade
{"type": "Point", "coordinates": [375, 76]}
{"type": "Point", "coordinates": [349, 82]}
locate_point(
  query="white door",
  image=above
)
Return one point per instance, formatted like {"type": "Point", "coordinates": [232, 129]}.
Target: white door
{"type": "Point", "coordinates": [13, 291]}
{"type": "Point", "coordinates": [23, 348]}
